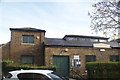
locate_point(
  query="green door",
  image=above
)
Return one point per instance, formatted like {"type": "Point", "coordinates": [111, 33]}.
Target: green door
{"type": "Point", "coordinates": [62, 65]}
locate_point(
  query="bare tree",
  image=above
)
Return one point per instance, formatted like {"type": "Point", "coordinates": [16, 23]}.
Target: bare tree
{"type": "Point", "coordinates": [106, 17]}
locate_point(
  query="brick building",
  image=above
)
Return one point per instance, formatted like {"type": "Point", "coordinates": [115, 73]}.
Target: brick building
{"type": "Point", "coordinates": [69, 54]}
{"type": "Point", "coordinates": [25, 47]}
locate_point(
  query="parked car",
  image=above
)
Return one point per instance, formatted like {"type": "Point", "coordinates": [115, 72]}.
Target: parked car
{"type": "Point", "coordinates": [32, 75]}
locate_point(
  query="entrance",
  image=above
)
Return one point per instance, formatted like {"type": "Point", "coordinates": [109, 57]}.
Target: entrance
{"type": "Point", "coordinates": [62, 65]}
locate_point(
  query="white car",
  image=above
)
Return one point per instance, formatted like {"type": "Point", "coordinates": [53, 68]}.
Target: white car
{"type": "Point", "coordinates": [32, 75]}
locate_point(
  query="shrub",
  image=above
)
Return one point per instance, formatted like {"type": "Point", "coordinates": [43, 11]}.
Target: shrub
{"type": "Point", "coordinates": [103, 70]}
{"type": "Point", "coordinates": [10, 66]}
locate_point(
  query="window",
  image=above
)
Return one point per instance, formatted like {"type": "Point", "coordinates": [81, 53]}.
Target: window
{"type": "Point", "coordinates": [102, 40]}
{"type": "Point", "coordinates": [85, 39]}
{"type": "Point", "coordinates": [89, 39]}
{"type": "Point", "coordinates": [55, 76]}
{"type": "Point", "coordinates": [93, 40]}
{"type": "Point", "coordinates": [27, 39]}
{"type": "Point", "coordinates": [9, 75]}
{"type": "Point", "coordinates": [32, 76]}
{"type": "Point", "coordinates": [114, 58]}
{"type": "Point", "coordinates": [27, 59]}
{"type": "Point", "coordinates": [72, 39]}
{"type": "Point", "coordinates": [90, 58]}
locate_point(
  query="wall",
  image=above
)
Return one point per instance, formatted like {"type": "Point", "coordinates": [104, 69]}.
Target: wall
{"type": "Point", "coordinates": [119, 32]}
{"type": "Point", "coordinates": [18, 48]}
{"type": "Point", "coordinates": [100, 56]}
{"type": "Point", "coordinates": [0, 60]}
{"type": "Point", "coordinates": [0, 53]}
{"type": "Point", "coordinates": [6, 51]}
{"type": "Point", "coordinates": [4, 54]}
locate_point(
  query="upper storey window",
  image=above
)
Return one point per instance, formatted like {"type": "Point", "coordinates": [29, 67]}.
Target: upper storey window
{"type": "Point", "coordinates": [88, 39]}
{"type": "Point", "coordinates": [28, 39]}
{"type": "Point", "coordinates": [85, 38]}
{"type": "Point", "coordinates": [72, 39]}
{"type": "Point", "coordinates": [82, 39]}
{"type": "Point", "coordinates": [93, 40]}
{"type": "Point", "coordinates": [102, 40]}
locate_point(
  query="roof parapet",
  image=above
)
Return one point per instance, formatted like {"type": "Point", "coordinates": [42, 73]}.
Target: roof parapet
{"type": "Point", "coordinates": [27, 29]}
{"type": "Point", "coordinates": [83, 36]}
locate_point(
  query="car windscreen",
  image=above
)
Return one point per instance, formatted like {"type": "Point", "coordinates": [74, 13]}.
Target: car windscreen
{"type": "Point", "coordinates": [55, 76]}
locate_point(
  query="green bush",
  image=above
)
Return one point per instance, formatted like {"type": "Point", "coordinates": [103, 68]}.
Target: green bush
{"type": "Point", "coordinates": [103, 70]}
{"type": "Point", "coordinates": [10, 66]}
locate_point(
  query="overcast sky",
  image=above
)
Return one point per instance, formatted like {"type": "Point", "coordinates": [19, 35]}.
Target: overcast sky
{"type": "Point", "coordinates": [58, 18]}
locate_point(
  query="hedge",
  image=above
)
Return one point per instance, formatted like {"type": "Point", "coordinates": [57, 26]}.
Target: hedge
{"type": "Point", "coordinates": [10, 66]}
{"type": "Point", "coordinates": [103, 70]}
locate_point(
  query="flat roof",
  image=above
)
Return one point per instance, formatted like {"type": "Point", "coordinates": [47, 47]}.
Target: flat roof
{"type": "Point", "coordinates": [83, 36]}
{"type": "Point", "coordinates": [27, 29]}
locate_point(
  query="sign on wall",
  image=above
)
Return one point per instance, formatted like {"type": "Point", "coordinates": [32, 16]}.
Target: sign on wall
{"type": "Point", "coordinates": [76, 62]}
{"type": "Point", "coordinates": [101, 45]}
{"type": "Point", "coordinates": [76, 56]}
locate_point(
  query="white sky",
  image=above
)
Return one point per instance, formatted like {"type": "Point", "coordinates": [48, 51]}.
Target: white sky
{"type": "Point", "coordinates": [57, 17]}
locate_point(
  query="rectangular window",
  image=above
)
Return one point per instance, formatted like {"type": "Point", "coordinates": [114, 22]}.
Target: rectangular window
{"type": "Point", "coordinates": [90, 58]}
{"type": "Point", "coordinates": [27, 59]}
{"type": "Point", "coordinates": [27, 39]}
{"type": "Point", "coordinates": [72, 39]}
{"type": "Point", "coordinates": [114, 58]}
{"type": "Point", "coordinates": [82, 39]}
{"type": "Point", "coordinates": [93, 40]}
{"type": "Point", "coordinates": [102, 40]}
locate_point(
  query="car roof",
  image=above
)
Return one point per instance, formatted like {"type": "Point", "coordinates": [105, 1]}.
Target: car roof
{"type": "Point", "coordinates": [31, 71]}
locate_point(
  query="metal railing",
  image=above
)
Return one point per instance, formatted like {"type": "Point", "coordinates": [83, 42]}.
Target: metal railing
{"type": "Point", "coordinates": [79, 75]}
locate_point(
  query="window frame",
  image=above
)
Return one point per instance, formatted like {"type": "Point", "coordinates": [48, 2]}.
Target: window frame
{"type": "Point", "coordinates": [114, 57]}
{"type": "Point", "coordinates": [27, 39]}
{"type": "Point", "coordinates": [72, 38]}
{"type": "Point", "coordinates": [33, 59]}
{"type": "Point", "coordinates": [90, 58]}
{"type": "Point", "coordinates": [88, 39]}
